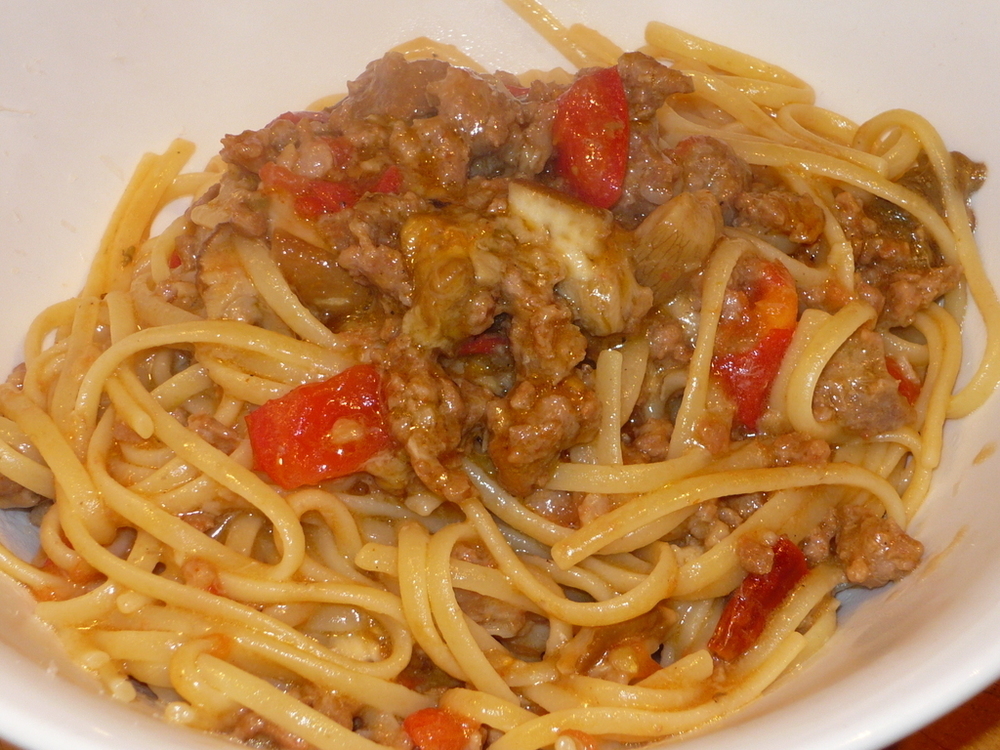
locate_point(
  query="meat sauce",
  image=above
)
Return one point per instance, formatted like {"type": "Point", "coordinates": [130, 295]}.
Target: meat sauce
{"type": "Point", "coordinates": [409, 218]}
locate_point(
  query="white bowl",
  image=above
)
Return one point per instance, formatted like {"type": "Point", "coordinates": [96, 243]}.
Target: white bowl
{"type": "Point", "coordinates": [85, 89]}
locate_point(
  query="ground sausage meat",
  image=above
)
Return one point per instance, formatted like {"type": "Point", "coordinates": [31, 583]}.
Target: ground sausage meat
{"type": "Point", "coordinates": [872, 549]}
{"type": "Point", "coordinates": [857, 391]}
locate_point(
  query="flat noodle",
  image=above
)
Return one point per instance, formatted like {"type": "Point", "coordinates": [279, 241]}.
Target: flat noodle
{"type": "Point", "coordinates": [675, 43]}
{"type": "Point", "coordinates": [542, 21]}
{"type": "Point", "coordinates": [460, 574]}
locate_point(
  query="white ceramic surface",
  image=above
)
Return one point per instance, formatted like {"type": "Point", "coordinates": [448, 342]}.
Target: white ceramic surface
{"type": "Point", "coordinates": [86, 88]}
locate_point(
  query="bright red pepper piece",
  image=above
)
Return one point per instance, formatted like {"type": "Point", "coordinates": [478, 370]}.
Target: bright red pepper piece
{"type": "Point", "coordinates": [745, 614]}
{"type": "Point", "coordinates": [749, 350]}
{"type": "Point", "coordinates": [322, 430]}
{"type": "Point", "coordinates": [438, 729]}
{"type": "Point", "coordinates": [590, 135]}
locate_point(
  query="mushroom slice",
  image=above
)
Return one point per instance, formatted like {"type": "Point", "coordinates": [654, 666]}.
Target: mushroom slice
{"type": "Point", "coordinates": [599, 283]}
{"type": "Point", "coordinates": [674, 240]}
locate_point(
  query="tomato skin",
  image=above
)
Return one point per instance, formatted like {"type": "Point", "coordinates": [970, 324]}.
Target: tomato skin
{"type": "Point", "coordinates": [908, 388]}
{"type": "Point", "coordinates": [292, 436]}
{"type": "Point", "coordinates": [311, 197]}
{"type": "Point", "coordinates": [437, 729]}
{"type": "Point", "coordinates": [749, 351]}
{"type": "Point", "coordinates": [590, 135]}
{"type": "Point", "coordinates": [745, 614]}
{"type": "Point", "coordinates": [314, 197]}
{"type": "Point", "coordinates": [748, 375]}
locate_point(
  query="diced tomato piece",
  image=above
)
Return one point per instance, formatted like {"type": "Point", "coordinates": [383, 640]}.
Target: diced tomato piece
{"type": "Point", "coordinates": [321, 431]}
{"type": "Point", "coordinates": [908, 388]}
{"type": "Point", "coordinates": [275, 177]}
{"type": "Point", "coordinates": [590, 136]}
{"type": "Point", "coordinates": [331, 196]}
{"type": "Point", "coordinates": [312, 197]}
{"type": "Point", "coordinates": [745, 614]}
{"type": "Point", "coordinates": [438, 729]}
{"type": "Point", "coordinates": [749, 350]}
{"type": "Point", "coordinates": [390, 181]}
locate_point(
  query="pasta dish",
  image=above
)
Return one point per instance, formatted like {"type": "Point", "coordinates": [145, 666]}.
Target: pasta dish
{"type": "Point", "coordinates": [477, 410]}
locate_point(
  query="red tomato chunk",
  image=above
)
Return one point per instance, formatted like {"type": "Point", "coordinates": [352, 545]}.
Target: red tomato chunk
{"type": "Point", "coordinates": [745, 614]}
{"type": "Point", "coordinates": [438, 729]}
{"type": "Point", "coordinates": [749, 350]}
{"type": "Point", "coordinates": [321, 431]}
{"type": "Point", "coordinates": [590, 136]}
